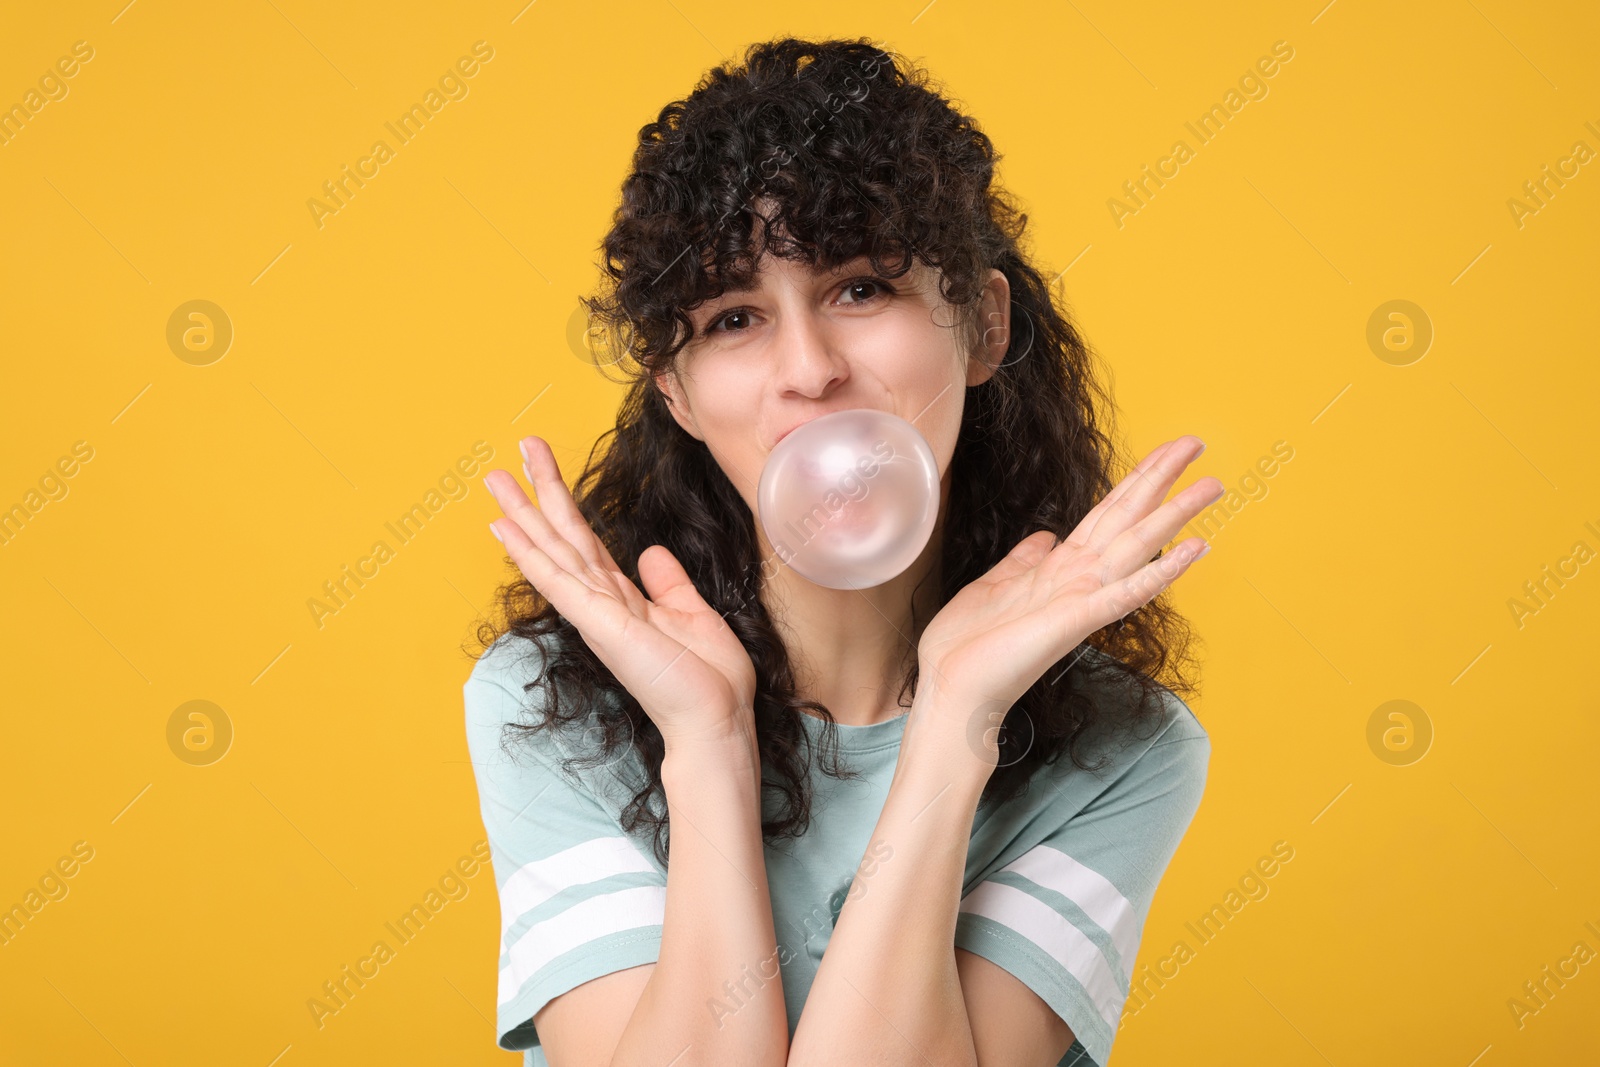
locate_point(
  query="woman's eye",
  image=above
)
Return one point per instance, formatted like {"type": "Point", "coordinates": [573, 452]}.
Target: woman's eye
{"type": "Point", "coordinates": [875, 287]}
{"type": "Point", "coordinates": [737, 313]}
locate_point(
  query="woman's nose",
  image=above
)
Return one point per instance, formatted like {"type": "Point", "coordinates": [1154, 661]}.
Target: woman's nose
{"type": "Point", "coordinates": [809, 360]}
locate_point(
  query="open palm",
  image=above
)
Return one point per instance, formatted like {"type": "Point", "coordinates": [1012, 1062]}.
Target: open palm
{"type": "Point", "coordinates": [672, 651]}
{"type": "Point", "coordinates": [998, 636]}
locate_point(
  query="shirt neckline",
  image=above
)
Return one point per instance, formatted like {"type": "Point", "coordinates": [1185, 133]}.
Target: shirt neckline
{"type": "Point", "coordinates": [858, 739]}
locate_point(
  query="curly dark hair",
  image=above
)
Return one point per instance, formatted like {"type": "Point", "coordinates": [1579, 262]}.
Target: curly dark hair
{"type": "Point", "coordinates": [859, 156]}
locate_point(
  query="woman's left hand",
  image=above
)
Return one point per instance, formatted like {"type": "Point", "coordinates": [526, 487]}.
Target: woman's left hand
{"type": "Point", "coordinates": [998, 636]}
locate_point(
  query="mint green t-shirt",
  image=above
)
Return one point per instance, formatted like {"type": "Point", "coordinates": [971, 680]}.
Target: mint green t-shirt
{"type": "Point", "coordinates": [1057, 886]}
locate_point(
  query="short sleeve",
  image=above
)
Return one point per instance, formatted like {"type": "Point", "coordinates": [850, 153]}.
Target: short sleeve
{"type": "Point", "coordinates": [579, 898]}
{"type": "Point", "coordinates": [1065, 915]}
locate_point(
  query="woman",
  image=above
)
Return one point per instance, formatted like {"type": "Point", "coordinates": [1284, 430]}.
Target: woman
{"type": "Point", "coordinates": [876, 773]}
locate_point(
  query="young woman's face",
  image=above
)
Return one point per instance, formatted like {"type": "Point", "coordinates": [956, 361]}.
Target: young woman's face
{"type": "Point", "coordinates": [804, 344]}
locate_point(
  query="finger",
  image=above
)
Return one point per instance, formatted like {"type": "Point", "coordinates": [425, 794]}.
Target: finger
{"type": "Point", "coordinates": [536, 527]}
{"type": "Point", "coordinates": [1109, 603]}
{"type": "Point", "coordinates": [667, 583]}
{"type": "Point", "coordinates": [1080, 534]}
{"type": "Point", "coordinates": [604, 622]}
{"type": "Point", "coordinates": [1024, 557]}
{"type": "Point", "coordinates": [561, 511]}
{"type": "Point", "coordinates": [1139, 544]}
{"type": "Point", "coordinates": [555, 501]}
{"type": "Point", "coordinates": [533, 522]}
{"type": "Point", "coordinates": [573, 597]}
{"type": "Point", "coordinates": [1145, 492]}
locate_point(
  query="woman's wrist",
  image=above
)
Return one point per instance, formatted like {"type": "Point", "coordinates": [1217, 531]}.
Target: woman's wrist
{"type": "Point", "coordinates": [727, 753]}
{"type": "Point", "coordinates": [945, 741]}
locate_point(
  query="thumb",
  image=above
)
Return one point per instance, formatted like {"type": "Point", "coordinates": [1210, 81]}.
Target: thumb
{"type": "Point", "coordinates": [666, 582]}
{"type": "Point", "coordinates": [1025, 555]}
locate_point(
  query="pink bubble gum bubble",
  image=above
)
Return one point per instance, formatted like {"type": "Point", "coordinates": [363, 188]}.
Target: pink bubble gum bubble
{"type": "Point", "coordinates": [849, 499]}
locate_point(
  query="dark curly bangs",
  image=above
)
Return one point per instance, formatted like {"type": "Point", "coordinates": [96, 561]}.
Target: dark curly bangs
{"type": "Point", "coordinates": [823, 152]}
{"type": "Point", "coordinates": [857, 155]}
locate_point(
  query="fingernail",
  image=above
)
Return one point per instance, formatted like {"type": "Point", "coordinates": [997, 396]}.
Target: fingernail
{"type": "Point", "coordinates": [1202, 451]}
{"type": "Point", "coordinates": [489, 487]}
{"type": "Point", "coordinates": [1203, 551]}
{"type": "Point", "coordinates": [522, 446]}
{"type": "Point", "coordinates": [496, 532]}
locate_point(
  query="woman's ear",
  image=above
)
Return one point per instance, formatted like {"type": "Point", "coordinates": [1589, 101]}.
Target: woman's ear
{"type": "Point", "coordinates": [994, 329]}
{"type": "Point", "coordinates": [667, 382]}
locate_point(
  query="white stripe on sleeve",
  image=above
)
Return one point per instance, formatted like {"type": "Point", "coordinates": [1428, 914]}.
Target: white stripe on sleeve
{"type": "Point", "coordinates": [589, 861]}
{"type": "Point", "coordinates": [1088, 889]}
{"type": "Point", "coordinates": [1032, 918]}
{"type": "Point", "coordinates": [585, 921]}
{"type": "Point", "coordinates": [535, 883]}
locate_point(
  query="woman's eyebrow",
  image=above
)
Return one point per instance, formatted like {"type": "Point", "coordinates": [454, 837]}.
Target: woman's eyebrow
{"type": "Point", "coordinates": [863, 262]}
{"type": "Point", "coordinates": [739, 288]}
{"type": "Point", "coordinates": [734, 289]}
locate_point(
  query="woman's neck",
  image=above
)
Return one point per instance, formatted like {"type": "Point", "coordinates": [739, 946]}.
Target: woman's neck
{"type": "Point", "coordinates": [851, 648]}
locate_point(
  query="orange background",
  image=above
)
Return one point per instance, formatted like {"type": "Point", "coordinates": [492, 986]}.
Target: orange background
{"type": "Point", "coordinates": [433, 313]}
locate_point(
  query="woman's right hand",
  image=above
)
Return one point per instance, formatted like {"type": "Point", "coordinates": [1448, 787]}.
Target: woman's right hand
{"type": "Point", "coordinates": [672, 651]}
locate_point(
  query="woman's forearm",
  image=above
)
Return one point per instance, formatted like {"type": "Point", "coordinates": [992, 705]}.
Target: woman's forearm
{"type": "Point", "coordinates": [887, 989]}
{"type": "Point", "coordinates": [715, 996]}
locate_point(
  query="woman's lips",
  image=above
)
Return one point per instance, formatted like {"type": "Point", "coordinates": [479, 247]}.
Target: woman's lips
{"type": "Point", "coordinates": [803, 421]}
{"type": "Point", "coordinates": [787, 432]}
{"type": "Point", "coordinates": [791, 430]}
